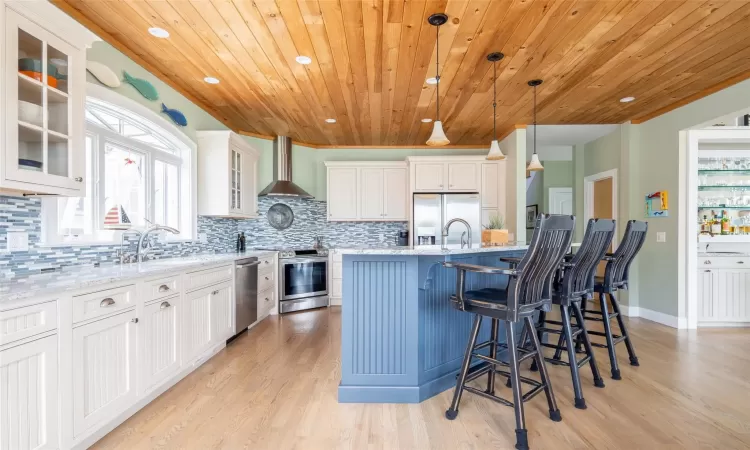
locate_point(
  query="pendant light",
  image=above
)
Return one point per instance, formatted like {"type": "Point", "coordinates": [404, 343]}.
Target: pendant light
{"type": "Point", "coordinates": [495, 153]}
{"type": "Point", "coordinates": [534, 164]}
{"type": "Point", "coordinates": [438, 137]}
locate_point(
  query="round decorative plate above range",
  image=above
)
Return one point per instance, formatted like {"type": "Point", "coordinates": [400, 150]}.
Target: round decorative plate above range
{"type": "Point", "coordinates": [280, 216]}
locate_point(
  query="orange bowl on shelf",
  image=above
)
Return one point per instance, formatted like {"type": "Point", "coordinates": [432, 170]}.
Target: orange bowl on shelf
{"type": "Point", "coordinates": [51, 81]}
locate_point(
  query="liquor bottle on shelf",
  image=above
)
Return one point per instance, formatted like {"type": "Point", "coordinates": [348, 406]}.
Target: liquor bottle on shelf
{"type": "Point", "coordinates": [715, 224]}
{"type": "Point", "coordinates": [724, 222]}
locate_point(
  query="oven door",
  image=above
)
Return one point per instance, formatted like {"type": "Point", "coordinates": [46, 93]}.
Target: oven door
{"type": "Point", "coordinates": [303, 277]}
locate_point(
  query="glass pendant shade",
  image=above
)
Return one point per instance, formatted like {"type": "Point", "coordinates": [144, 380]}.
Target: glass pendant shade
{"type": "Point", "coordinates": [495, 153]}
{"type": "Point", "coordinates": [535, 165]}
{"type": "Point", "coordinates": [438, 137]}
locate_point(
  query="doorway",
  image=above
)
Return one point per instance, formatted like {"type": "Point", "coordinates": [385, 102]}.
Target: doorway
{"type": "Point", "coordinates": [600, 202]}
{"type": "Point", "coordinates": [561, 200]}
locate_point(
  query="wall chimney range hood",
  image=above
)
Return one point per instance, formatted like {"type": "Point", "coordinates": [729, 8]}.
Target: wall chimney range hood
{"type": "Point", "coordinates": [282, 172]}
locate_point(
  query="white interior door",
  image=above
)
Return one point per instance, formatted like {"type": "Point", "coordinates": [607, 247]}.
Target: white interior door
{"type": "Point", "coordinates": [561, 201]}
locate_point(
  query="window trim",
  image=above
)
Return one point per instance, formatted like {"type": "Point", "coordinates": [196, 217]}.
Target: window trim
{"type": "Point", "coordinates": [169, 131]}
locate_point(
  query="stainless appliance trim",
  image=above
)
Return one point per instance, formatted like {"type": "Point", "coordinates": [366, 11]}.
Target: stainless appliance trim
{"type": "Point", "coordinates": [282, 278]}
{"type": "Point", "coordinates": [245, 294]}
{"type": "Point", "coordinates": [303, 304]}
{"type": "Point", "coordinates": [242, 266]}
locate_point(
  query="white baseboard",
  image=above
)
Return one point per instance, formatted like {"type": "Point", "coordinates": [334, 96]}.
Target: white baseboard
{"type": "Point", "coordinates": [654, 316]}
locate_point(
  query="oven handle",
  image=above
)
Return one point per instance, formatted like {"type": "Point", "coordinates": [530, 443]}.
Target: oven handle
{"type": "Point", "coordinates": [304, 260]}
{"type": "Point", "coordinates": [242, 266]}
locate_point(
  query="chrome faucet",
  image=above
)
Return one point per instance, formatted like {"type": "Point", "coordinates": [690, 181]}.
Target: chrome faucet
{"type": "Point", "coordinates": [144, 246]}
{"type": "Point", "coordinates": [447, 227]}
{"type": "Point", "coordinates": [124, 256]}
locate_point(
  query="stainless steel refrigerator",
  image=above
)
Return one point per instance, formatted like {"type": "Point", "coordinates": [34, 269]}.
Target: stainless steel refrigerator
{"type": "Point", "coordinates": [433, 211]}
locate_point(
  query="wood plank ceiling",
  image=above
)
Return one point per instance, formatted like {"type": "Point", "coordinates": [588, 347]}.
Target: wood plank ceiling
{"type": "Point", "coordinates": [370, 60]}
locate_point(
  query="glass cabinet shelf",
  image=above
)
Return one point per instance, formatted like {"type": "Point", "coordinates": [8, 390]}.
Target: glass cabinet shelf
{"type": "Point", "coordinates": [724, 171]}
{"type": "Point", "coordinates": [723, 187]}
{"type": "Point", "coordinates": [746, 208]}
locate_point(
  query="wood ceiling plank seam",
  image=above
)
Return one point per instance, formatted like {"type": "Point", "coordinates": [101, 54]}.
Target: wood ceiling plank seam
{"type": "Point", "coordinates": [425, 53]}
{"type": "Point", "coordinates": [411, 26]}
{"type": "Point", "coordinates": [235, 83]}
{"type": "Point", "coordinates": [470, 23]}
{"type": "Point", "coordinates": [455, 10]}
{"type": "Point", "coordinates": [681, 45]}
{"type": "Point", "coordinates": [335, 37]}
{"type": "Point", "coordinates": [475, 112]}
{"type": "Point", "coordinates": [391, 47]}
{"type": "Point", "coordinates": [169, 76]}
{"type": "Point", "coordinates": [372, 21]}
{"type": "Point", "coordinates": [300, 104]}
{"type": "Point", "coordinates": [315, 91]}
{"type": "Point", "coordinates": [318, 37]}
{"type": "Point", "coordinates": [720, 46]}
{"type": "Point", "coordinates": [351, 14]}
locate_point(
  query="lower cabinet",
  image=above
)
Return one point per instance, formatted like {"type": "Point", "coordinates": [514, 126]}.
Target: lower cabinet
{"type": "Point", "coordinates": [104, 362]}
{"type": "Point", "coordinates": [208, 319]}
{"type": "Point", "coordinates": [159, 332]}
{"type": "Point", "coordinates": [222, 308]}
{"type": "Point", "coordinates": [723, 296]}
{"type": "Point", "coordinates": [28, 395]}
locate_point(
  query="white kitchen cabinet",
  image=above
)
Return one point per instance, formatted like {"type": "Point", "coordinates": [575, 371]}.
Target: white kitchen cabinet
{"type": "Point", "coordinates": [446, 176]}
{"type": "Point", "coordinates": [723, 287]}
{"type": "Point", "coordinates": [104, 370]}
{"type": "Point", "coordinates": [222, 313]}
{"type": "Point", "coordinates": [44, 89]}
{"type": "Point", "coordinates": [197, 324]}
{"type": "Point", "coordinates": [342, 193]}
{"type": "Point", "coordinates": [227, 175]}
{"type": "Point", "coordinates": [159, 342]}
{"type": "Point", "coordinates": [463, 176]}
{"type": "Point", "coordinates": [490, 183]}
{"type": "Point", "coordinates": [28, 395]}
{"type": "Point", "coordinates": [428, 176]}
{"type": "Point", "coordinates": [395, 185]}
{"type": "Point", "coordinates": [371, 193]}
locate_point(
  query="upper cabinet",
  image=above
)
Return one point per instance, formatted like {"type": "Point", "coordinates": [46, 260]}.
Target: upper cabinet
{"type": "Point", "coordinates": [367, 191]}
{"type": "Point", "coordinates": [44, 87]}
{"type": "Point", "coordinates": [227, 175]}
{"type": "Point", "coordinates": [435, 176]}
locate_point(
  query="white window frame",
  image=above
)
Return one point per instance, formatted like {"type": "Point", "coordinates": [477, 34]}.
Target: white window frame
{"type": "Point", "coordinates": [185, 157]}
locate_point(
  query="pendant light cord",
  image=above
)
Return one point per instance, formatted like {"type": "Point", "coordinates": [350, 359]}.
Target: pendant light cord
{"type": "Point", "coordinates": [494, 100]}
{"type": "Point", "coordinates": [535, 120]}
{"type": "Point", "coordinates": [437, 69]}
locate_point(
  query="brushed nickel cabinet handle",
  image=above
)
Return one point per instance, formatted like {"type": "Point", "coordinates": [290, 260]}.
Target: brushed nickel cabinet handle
{"type": "Point", "coordinates": [163, 288]}
{"type": "Point", "coordinates": [740, 262]}
{"type": "Point", "coordinates": [707, 271]}
{"type": "Point", "coordinates": [79, 179]}
{"type": "Point", "coordinates": [106, 303]}
{"type": "Point", "coordinates": [707, 262]}
{"type": "Point", "coordinates": [267, 278]}
{"type": "Point", "coordinates": [134, 320]}
{"type": "Point", "coordinates": [164, 305]}
{"type": "Point", "coordinates": [215, 292]}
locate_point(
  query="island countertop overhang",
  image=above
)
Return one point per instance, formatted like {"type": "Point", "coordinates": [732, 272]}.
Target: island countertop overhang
{"type": "Point", "coordinates": [428, 250]}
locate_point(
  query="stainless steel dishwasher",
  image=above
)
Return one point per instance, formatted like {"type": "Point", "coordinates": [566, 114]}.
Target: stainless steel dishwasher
{"type": "Point", "coordinates": [245, 294]}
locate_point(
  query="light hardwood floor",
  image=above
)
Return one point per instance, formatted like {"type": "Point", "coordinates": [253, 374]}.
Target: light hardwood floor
{"type": "Point", "coordinates": [275, 388]}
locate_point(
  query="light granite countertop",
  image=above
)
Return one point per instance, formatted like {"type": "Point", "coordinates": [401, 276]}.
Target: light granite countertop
{"type": "Point", "coordinates": [427, 250]}
{"type": "Point", "coordinates": [33, 289]}
{"type": "Point", "coordinates": [723, 254]}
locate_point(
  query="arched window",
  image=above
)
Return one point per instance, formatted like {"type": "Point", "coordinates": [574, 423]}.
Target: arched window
{"type": "Point", "coordinates": [138, 172]}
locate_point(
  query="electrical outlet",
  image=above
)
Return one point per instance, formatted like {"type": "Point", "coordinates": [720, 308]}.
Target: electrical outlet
{"type": "Point", "coordinates": [661, 236]}
{"type": "Point", "coordinates": [203, 237]}
{"type": "Point", "coordinates": [18, 241]}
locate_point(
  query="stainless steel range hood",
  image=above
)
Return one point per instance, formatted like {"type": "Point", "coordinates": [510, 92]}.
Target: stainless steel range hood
{"type": "Point", "coordinates": [282, 172]}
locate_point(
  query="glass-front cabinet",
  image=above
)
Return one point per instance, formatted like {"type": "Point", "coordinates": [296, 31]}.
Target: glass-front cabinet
{"type": "Point", "coordinates": [724, 193]}
{"type": "Point", "coordinates": [44, 85]}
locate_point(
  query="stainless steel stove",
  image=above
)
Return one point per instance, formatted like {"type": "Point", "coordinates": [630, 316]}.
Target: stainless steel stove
{"type": "Point", "coordinates": [303, 278]}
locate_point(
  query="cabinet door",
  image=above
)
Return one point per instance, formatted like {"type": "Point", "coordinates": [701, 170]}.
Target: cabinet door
{"type": "Point", "coordinates": [28, 395]}
{"type": "Point", "coordinates": [394, 194]}
{"type": "Point", "coordinates": [706, 295]}
{"type": "Point", "coordinates": [342, 193]}
{"type": "Point", "coordinates": [490, 185]}
{"type": "Point", "coordinates": [44, 132]}
{"type": "Point", "coordinates": [428, 176]}
{"type": "Point", "coordinates": [732, 299]}
{"type": "Point", "coordinates": [237, 185]}
{"type": "Point", "coordinates": [463, 177]}
{"type": "Point", "coordinates": [103, 370]}
{"type": "Point", "coordinates": [158, 334]}
{"type": "Point", "coordinates": [196, 324]}
{"type": "Point", "coordinates": [371, 193]}
{"type": "Point", "coordinates": [222, 314]}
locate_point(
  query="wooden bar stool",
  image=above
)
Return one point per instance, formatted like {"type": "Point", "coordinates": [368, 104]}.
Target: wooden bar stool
{"type": "Point", "coordinates": [529, 289]}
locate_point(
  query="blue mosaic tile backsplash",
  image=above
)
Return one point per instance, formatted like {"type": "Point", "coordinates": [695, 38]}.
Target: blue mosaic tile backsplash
{"type": "Point", "coordinates": [24, 214]}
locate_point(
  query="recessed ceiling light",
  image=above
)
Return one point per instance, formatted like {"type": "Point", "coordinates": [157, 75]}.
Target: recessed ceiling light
{"type": "Point", "coordinates": [432, 80]}
{"type": "Point", "coordinates": [627, 99]}
{"type": "Point", "coordinates": [211, 80]}
{"type": "Point", "coordinates": [426, 120]}
{"type": "Point", "coordinates": [303, 59]}
{"type": "Point", "coordinates": [159, 32]}
{"type": "Point", "coordinates": [330, 120]}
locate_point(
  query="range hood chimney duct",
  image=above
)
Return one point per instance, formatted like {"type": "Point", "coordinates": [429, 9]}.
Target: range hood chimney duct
{"type": "Point", "coordinates": [282, 172]}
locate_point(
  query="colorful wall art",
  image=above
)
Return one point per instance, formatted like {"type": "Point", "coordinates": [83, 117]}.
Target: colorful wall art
{"type": "Point", "coordinates": [176, 116]}
{"type": "Point", "coordinates": [146, 89]}
{"type": "Point", "coordinates": [103, 74]}
{"type": "Point", "coordinates": [657, 204]}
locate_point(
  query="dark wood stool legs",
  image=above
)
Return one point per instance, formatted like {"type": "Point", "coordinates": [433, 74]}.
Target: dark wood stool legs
{"type": "Point", "coordinates": [453, 410]}
{"type": "Point", "coordinates": [611, 339]}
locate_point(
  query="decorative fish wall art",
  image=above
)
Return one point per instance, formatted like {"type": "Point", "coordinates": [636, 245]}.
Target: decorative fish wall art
{"type": "Point", "coordinates": [146, 89]}
{"type": "Point", "coordinates": [176, 116]}
{"type": "Point", "coordinates": [104, 74]}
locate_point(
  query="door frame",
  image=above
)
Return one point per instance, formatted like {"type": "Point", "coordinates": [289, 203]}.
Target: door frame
{"type": "Point", "coordinates": [553, 191]}
{"type": "Point", "coordinates": [588, 199]}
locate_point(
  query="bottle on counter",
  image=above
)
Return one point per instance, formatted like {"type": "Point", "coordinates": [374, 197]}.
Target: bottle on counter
{"type": "Point", "coordinates": [238, 243]}
{"type": "Point", "coordinates": [242, 242]}
{"type": "Point", "coordinates": [724, 222]}
{"type": "Point", "coordinates": [715, 223]}
{"type": "Point", "coordinates": [705, 226]}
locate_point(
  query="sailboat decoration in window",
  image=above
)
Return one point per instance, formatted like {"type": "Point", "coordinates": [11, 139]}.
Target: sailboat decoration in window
{"type": "Point", "coordinates": [117, 219]}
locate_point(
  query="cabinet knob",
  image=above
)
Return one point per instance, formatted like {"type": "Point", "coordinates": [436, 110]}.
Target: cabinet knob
{"type": "Point", "coordinates": [79, 179]}
{"type": "Point", "coordinates": [266, 278]}
{"type": "Point", "coordinates": [740, 262]}
{"type": "Point", "coordinates": [707, 271]}
{"type": "Point", "coordinates": [450, 185]}
{"type": "Point", "coordinates": [134, 320]}
{"type": "Point", "coordinates": [163, 288]}
{"type": "Point", "coordinates": [441, 185]}
{"type": "Point", "coordinates": [266, 298]}
{"type": "Point", "coordinates": [707, 262]}
{"type": "Point", "coordinates": [106, 303]}
{"type": "Point", "coordinates": [216, 292]}
{"type": "Point", "coordinates": [164, 305]}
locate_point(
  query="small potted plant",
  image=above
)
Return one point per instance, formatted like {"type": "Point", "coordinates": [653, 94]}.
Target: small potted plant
{"type": "Point", "coordinates": [494, 233]}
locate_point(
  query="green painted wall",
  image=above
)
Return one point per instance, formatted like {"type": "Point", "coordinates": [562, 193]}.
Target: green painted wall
{"type": "Point", "coordinates": [556, 174]}
{"type": "Point", "coordinates": [535, 195]}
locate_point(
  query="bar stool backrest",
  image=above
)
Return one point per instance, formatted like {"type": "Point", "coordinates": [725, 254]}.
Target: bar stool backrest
{"type": "Point", "coordinates": [578, 278]}
{"type": "Point", "coordinates": [549, 244]}
{"type": "Point", "coordinates": [617, 273]}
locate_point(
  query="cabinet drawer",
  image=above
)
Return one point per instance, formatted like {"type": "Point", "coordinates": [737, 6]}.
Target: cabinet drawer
{"type": "Point", "coordinates": [266, 302]}
{"type": "Point", "coordinates": [102, 303]}
{"type": "Point", "coordinates": [724, 262]}
{"type": "Point", "coordinates": [201, 278]}
{"type": "Point", "coordinates": [161, 288]}
{"type": "Point", "coordinates": [266, 264]}
{"type": "Point", "coordinates": [266, 281]}
{"type": "Point", "coordinates": [25, 322]}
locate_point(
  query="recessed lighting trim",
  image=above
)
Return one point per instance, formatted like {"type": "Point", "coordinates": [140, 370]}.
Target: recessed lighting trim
{"type": "Point", "coordinates": [159, 32]}
{"type": "Point", "coordinates": [211, 80]}
{"type": "Point", "coordinates": [432, 80]}
{"type": "Point", "coordinates": [627, 99]}
{"type": "Point", "coordinates": [426, 120]}
{"type": "Point", "coordinates": [303, 59]}
{"type": "Point", "coordinates": [330, 120]}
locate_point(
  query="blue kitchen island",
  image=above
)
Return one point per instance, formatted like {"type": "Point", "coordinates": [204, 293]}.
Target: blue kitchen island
{"type": "Point", "coordinates": [401, 340]}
